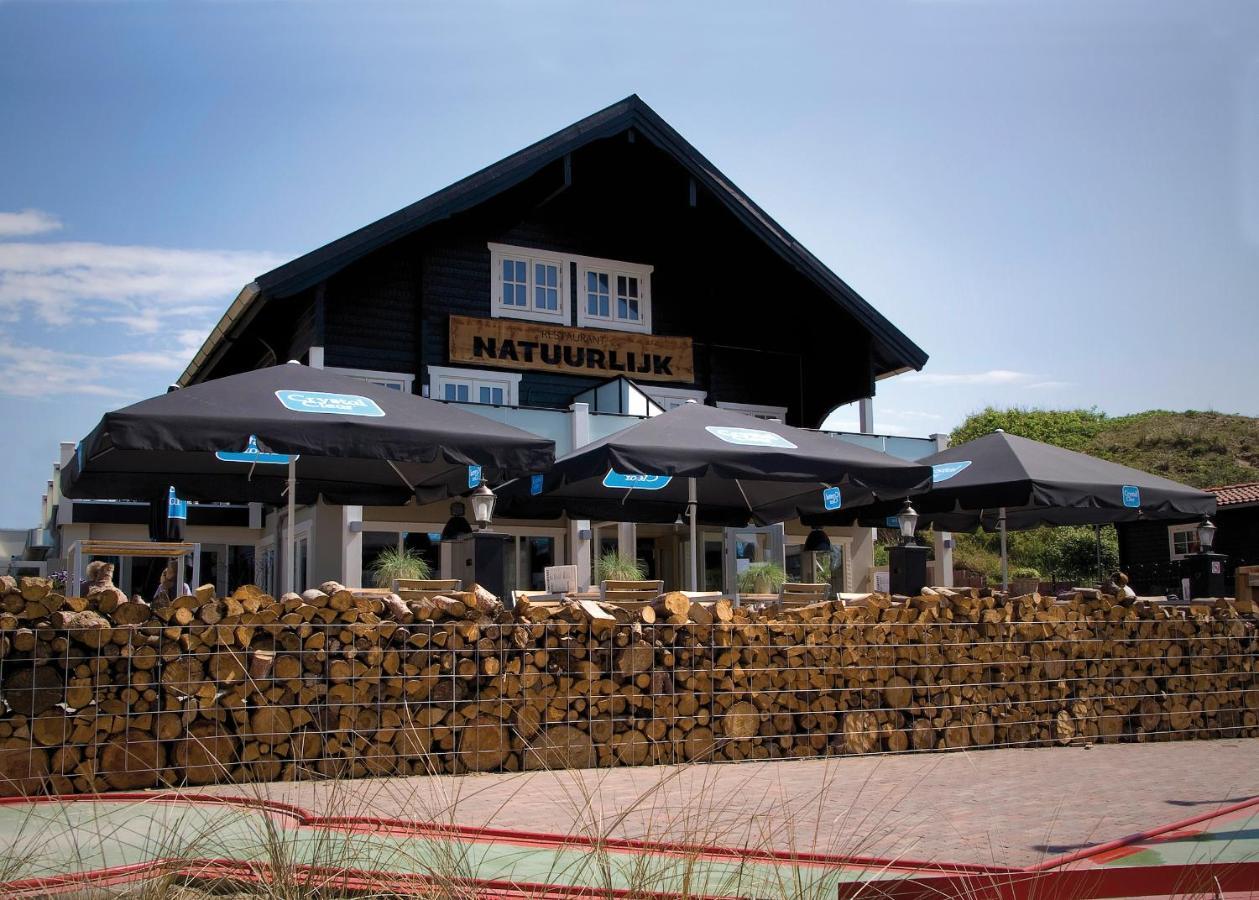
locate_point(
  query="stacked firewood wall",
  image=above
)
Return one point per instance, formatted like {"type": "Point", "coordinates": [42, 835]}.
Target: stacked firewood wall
{"type": "Point", "coordinates": [108, 693]}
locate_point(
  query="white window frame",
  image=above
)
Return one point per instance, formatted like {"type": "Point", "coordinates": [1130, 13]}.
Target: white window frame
{"type": "Point", "coordinates": [798, 540]}
{"type": "Point", "coordinates": [1172, 531]}
{"type": "Point", "coordinates": [516, 532]}
{"type": "Point", "coordinates": [303, 532]}
{"type": "Point", "coordinates": [499, 310]}
{"type": "Point", "coordinates": [440, 376]}
{"type": "Point", "coordinates": [670, 397]}
{"type": "Point", "coordinates": [613, 268]}
{"type": "Point", "coordinates": [404, 380]}
{"type": "Point", "coordinates": [265, 569]}
{"type": "Point", "coordinates": [760, 411]}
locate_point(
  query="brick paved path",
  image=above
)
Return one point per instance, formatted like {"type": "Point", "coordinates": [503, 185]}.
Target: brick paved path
{"type": "Point", "coordinates": [1010, 807]}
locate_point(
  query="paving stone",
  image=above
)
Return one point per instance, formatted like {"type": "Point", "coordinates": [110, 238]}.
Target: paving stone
{"type": "Point", "coordinates": [1008, 807]}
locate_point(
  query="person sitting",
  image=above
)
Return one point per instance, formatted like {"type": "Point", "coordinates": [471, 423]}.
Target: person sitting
{"type": "Point", "coordinates": [166, 590]}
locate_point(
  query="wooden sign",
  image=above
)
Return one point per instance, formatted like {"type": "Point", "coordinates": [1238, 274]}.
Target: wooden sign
{"type": "Point", "coordinates": [513, 344]}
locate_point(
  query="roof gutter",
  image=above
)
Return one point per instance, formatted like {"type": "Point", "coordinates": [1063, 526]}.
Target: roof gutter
{"type": "Point", "coordinates": [219, 333]}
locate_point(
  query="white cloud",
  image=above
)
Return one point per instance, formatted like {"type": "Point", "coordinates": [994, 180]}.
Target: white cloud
{"type": "Point", "coordinates": [38, 372]}
{"type": "Point", "coordinates": [991, 377]}
{"type": "Point", "coordinates": [142, 288]}
{"type": "Point", "coordinates": [27, 222]}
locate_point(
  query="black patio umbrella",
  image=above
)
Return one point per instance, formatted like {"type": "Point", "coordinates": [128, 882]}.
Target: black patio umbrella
{"type": "Point", "coordinates": [1002, 481]}
{"type": "Point", "coordinates": [294, 433]}
{"type": "Point", "coordinates": [718, 466]}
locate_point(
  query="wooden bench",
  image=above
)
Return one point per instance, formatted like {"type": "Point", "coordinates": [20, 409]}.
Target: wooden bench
{"type": "Point", "coordinates": [622, 591]}
{"type": "Point", "coordinates": [425, 588]}
{"type": "Point", "coordinates": [795, 593]}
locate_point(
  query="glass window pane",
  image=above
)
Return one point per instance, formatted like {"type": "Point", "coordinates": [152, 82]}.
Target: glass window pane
{"type": "Point", "coordinates": [603, 282]}
{"type": "Point", "coordinates": [603, 305]}
{"type": "Point", "coordinates": [449, 393]}
{"type": "Point", "coordinates": [552, 276]}
{"type": "Point", "coordinates": [633, 310]}
{"type": "Point", "coordinates": [462, 393]}
{"type": "Point", "coordinates": [507, 270]}
{"type": "Point", "coordinates": [592, 305]}
{"type": "Point", "coordinates": [496, 396]}
{"type": "Point", "coordinates": [484, 395]}
{"type": "Point", "coordinates": [521, 272]}
{"type": "Point", "coordinates": [620, 285]}
{"type": "Point", "coordinates": [633, 287]}
{"type": "Point", "coordinates": [592, 282]}
{"type": "Point", "coordinates": [622, 308]}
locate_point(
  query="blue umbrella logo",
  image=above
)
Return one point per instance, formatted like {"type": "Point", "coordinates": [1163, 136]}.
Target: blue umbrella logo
{"type": "Point", "coordinates": [252, 455]}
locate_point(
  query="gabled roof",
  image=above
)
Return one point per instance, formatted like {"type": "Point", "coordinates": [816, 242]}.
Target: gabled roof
{"type": "Point", "coordinates": [1236, 494]}
{"type": "Point", "coordinates": [898, 352]}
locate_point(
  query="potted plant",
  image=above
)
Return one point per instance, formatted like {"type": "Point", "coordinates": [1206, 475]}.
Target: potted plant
{"type": "Point", "coordinates": [391, 564]}
{"type": "Point", "coordinates": [762, 578]}
{"type": "Point", "coordinates": [1024, 580]}
{"type": "Point", "coordinates": [613, 566]}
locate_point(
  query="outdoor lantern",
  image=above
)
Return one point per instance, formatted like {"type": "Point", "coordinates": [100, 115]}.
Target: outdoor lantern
{"type": "Point", "coordinates": [457, 525]}
{"type": "Point", "coordinates": [817, 542]}
{"type": "Point", "coordinates": [1206, 535]}
{"type": "Point", "coordinates": [482, 500]}
{"type": "Point", "coordinates": [907, 519]}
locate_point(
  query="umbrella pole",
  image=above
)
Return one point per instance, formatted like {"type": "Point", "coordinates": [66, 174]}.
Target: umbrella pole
{"type": "Point", "coordinates": [291, 537]}
{"type": "Point", "coordinates": [691, 505]}
{"type": "Point", "coordinates": [1005, 562]}
{"type": "Point", "coordinates": [1097, 539]}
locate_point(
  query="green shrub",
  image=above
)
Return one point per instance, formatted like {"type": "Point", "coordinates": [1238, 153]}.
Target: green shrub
{"type": "Point", "coordinates": [762, 578]}
{"type": "Point", "coordinates": [393, 563]}
{"type": "Point", "coordinates": [1025, 572]}
{"type": "Point", "coordinates": [613, 566]}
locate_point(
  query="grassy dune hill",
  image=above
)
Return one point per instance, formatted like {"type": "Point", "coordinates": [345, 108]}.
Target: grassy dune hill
{"type": "Point", "coordinates": [1198, 448]}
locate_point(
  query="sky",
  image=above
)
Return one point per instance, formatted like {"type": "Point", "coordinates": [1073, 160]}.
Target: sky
{"type": "Point", "coordinates": [1058, 201]}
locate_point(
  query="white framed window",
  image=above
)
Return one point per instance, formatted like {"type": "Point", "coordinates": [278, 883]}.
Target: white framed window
{"type": "Point", "coordinates": [756, 410]}
{"type": "Point", "coordinates": [474, 386]}
{"type": "Point", "coordinates": [668, 398]}
{"type": "Point", "coordinates": [264, 565]}
{"type": "Point", "coordinates": [528, 284]}
{"type": "Point", "coordinates": [613, 294]}
{"type": "Point", "coordinates": [394, 381]}
{"type": "Point", "coordinates": [1182, 541]}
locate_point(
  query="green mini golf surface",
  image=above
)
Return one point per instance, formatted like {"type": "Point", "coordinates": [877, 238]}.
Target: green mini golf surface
{"type": "Point", "coordinates": [1232, 838]}
{"type": "Point", "coordinates": [71, 837]}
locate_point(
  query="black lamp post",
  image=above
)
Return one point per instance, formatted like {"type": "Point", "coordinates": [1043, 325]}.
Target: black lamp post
{"type": "Point", "coordinates": [1205, 569]}
{"type": "Point", "coordinates": [1206, 535]}
{"type": "Point", "coordinates": [907, 521]}
{"type": "Point", "coordinates": [907, 564]}
{"type": "Point", "coordinates": [482, 500]}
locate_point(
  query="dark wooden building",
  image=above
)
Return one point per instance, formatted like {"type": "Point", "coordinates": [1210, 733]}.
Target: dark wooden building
{"type": "Point", "coordinates": [1154, 553]}
{"type": "Point", "coordinates": [616, 224]}
{"type": "Point", "coordinates": [610, 252]}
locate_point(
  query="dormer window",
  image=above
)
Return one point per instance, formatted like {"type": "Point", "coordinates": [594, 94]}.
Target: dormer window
{"type": "Point", "coordinates": [528, 284]}
{"type": "Point", "coordinates": [533, 284]}
{"type": "Point", "coordinates": [614, 295]}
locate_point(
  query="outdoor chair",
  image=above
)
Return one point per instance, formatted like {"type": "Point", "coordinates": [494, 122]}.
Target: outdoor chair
{"type": "Point", "coordinates": [629, 591]}
{"type": "Point", "coordinates": [803, 593]}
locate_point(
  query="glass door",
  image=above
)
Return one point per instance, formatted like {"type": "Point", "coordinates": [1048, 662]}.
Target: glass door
{"type": "Point", "coordinates": [753, 560]}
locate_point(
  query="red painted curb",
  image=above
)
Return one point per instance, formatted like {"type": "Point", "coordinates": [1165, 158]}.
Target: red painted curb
{"type": "Point", "coordinates": [1087, 852]}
